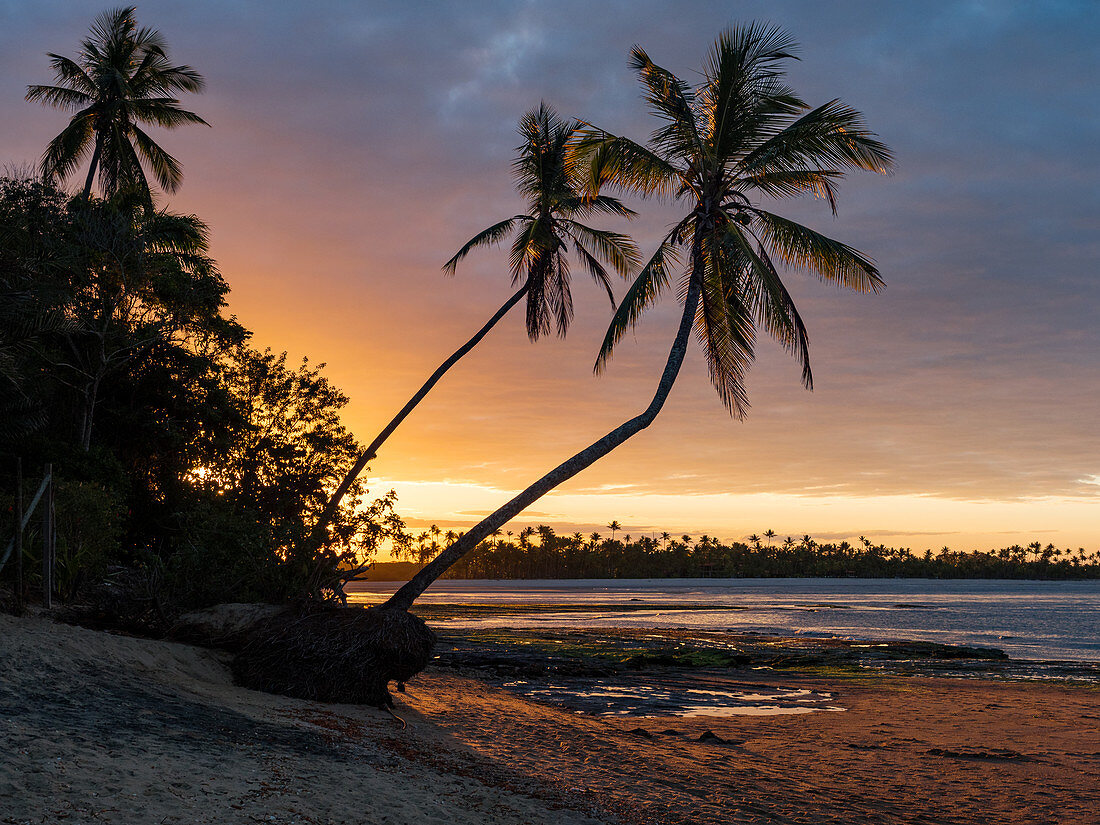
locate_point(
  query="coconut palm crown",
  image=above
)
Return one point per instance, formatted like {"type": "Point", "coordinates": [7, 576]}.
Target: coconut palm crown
{"type": "Point", "coordinates": [546, 176]}
{"type": "Point", "coordinates": [740, 133]}
{"type": "Point", "coordinates": [122, 78]}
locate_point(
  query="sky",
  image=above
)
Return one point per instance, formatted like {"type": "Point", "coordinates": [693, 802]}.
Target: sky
{"type": "Point", "coordinates": [356, 145]}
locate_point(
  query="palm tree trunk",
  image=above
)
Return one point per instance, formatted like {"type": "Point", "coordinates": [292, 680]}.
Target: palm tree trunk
{"type": "Point", "coordinates": [92, 166]}
{"type": "Point", "coordinates": [380, 439]}
{"type": "Point", "coordinates": [404, 597]}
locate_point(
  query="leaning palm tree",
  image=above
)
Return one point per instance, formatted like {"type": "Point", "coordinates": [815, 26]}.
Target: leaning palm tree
{"type": "Point", "coordinates": [122, 78]}
{"type": "Point", "coordinates": [741, 132]}
{"type": "Point", "coordinates": [545, 174]}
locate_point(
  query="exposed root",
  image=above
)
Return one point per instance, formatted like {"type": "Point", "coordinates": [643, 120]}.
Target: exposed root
{"type": "Point", "coordinates": [346, 654]}
{"type": "Point", "coordinates": [404, 724]}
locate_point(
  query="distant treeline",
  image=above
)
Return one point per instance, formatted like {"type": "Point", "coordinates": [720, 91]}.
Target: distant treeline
{"type": "Point", "coordinates": [540, 553]}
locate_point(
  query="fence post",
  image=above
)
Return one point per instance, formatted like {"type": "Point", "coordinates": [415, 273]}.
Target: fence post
{"type": "Point", "coordinates": [19, 536]}
{"type": "Point", "coordinates": [47, 542]}
{"type": "Point", "coordinates": [53, 542]}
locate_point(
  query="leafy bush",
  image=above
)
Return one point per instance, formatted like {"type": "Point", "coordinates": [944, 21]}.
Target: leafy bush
{"type": "Point", "coordinates": [88, 519]}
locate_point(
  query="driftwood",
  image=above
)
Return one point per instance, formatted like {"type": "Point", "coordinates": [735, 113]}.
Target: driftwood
{"type": "Point", "coordinates": [344, 654]}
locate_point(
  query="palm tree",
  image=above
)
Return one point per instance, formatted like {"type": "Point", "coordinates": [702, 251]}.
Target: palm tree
{"type": "Point", "coordinates": [614, 527]}
{"type": "Point", "coordinates": [742, 131]}
{"type": "Point", "coordinates": [121, 78]}
{"type": "Point", "coordinates": [545, 175]}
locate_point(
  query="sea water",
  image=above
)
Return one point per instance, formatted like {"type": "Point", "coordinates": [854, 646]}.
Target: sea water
{"type": "Point", "coordinates": [1037, 620]}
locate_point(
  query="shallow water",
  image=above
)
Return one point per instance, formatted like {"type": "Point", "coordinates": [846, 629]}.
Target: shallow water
{"type": "Point", "coordinates": [624, 697]}
{"type": "Point", "coordinates": [1026, 619]}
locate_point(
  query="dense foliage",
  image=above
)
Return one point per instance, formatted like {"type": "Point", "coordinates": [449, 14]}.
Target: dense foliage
{"type": "Point", "coordinates": [178, 448]}
{"type": "Point", "coordinates": [539, 553]}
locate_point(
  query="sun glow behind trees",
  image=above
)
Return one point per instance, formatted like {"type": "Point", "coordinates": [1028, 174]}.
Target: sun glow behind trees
{"type": "Point", "coordinates": [902, 520]}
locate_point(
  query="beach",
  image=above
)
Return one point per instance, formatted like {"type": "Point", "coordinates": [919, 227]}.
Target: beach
{"type": "Point", "coordinates": [109, 729]}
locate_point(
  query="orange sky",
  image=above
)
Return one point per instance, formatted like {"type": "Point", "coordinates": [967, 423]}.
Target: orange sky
{"type": "Point", "coordinates": [955, 409]}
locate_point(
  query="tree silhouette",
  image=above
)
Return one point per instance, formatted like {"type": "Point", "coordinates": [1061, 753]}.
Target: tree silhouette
{"type": "Point", "coordinates": [563, 557]}
{"type": "Point", "coordinates": [539, 260]}
{"type": "Point", "coordinates": [743, 130]}
{"type": "Point", "coordinates": [121, 78]}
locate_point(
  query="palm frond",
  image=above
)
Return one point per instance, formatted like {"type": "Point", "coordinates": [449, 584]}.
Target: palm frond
{"type": "Point", "coordinates": [832, 135]}
{"type": "Point", "coordinates": [59, 97]}
{"type": "Point", "coordinates": [113, 26]}
{"type": "Point", "coordinates": [618, 250]}
{"type": "Point", "coordinates": [647, 287]}
{"type": "Point", "coordinates": [131, 174]}
{"type": "Point", "coordinates": [670, 99]}
{"type": "Point", "coordinates": [525, 252]}
{"type": "Point", "coordinates": [486, 237]}
{"type": "Point", "coordinates": [179, 235]}
{"type": "Point", "coordinates": [743, 93]}
{"type": "Point", "coordinates": [65, 152]}
{"type": "Point", "coordinates": [164, 111]}
{"type": "Point", "coordinates": [802, 248]}
{"type": "Point", "coordinates": [595, 268]}
{"type": "Point", "coordinates": [724, 325]}
{"type": "Point", "coordinates": [560, 299]}
{"type": "Point", "coordinates": [621, 163]}
{"type": "Point", "coordinates": [543, 292]}
{"type": "Point", "coordinates": [785, 184]}
{"type": "Point", "coordinates": [541, 164]}
{"type": "Point", "coordinates": [581, 206]}
{"type": "Point", "coordinates": [68, 72]}
{"type": "Point", "coordinates": [166, 168]}
{"type": "Point", "coordinates": [771, 303]}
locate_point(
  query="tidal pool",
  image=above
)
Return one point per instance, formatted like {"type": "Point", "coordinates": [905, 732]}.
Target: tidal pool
{"type": "Point", "coordinates": [672, 697]}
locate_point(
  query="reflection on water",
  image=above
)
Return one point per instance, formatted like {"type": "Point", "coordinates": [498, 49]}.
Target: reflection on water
{"type": "Point", "coordinates": [603, 697]}
{"type": "Point", "coordinates": [1026, 619]}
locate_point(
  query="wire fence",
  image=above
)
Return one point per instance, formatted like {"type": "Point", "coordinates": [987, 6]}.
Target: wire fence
{"type": "Point", "coordinates": [44, 497]}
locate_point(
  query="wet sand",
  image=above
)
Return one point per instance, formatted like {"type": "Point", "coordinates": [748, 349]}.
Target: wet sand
{"type": "Point", "coordinates": [105, 729]}
{"type": "Point", "coordinates": [912, 750]}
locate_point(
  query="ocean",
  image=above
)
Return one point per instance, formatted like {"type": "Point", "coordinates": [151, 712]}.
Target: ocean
{"type": "Point", "coordinates": [1030, 620]}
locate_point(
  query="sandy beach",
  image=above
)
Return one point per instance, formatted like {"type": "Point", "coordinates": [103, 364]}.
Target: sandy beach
{"type": "Point", "coordinates": [98, 728]}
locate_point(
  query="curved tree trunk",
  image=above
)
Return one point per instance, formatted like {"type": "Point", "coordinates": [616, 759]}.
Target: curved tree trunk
{"type": "Point", "coordinates": [404, 597]}
{"type": "Point", "coordinates": [380, 439]}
